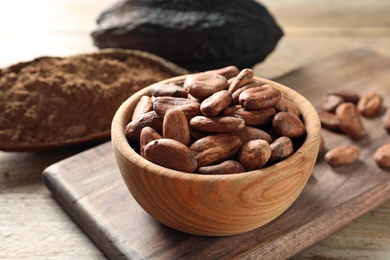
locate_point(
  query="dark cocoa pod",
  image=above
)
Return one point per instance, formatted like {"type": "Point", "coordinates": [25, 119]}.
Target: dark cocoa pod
{"type": "Point", "coordinates": [197, 35]}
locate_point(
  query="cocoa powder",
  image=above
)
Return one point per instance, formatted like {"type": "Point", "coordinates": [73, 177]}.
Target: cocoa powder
{"type": "Point", "coordinates": [55, 100]}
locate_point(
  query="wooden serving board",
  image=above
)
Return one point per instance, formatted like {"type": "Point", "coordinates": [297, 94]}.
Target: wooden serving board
{"type": "Point", "coordinates": [90, 189]}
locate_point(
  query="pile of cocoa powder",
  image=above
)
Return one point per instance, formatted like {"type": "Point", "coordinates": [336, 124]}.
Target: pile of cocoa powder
{"type": "Point", "coordinates": [52, 99]}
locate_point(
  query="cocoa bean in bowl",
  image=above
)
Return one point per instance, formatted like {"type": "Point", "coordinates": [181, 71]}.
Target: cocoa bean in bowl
{"type": "Point", "coordinates": [223, 173]}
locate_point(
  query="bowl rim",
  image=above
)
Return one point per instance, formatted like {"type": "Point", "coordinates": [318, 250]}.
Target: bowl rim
{"type": "Point", "coordinates": [123, 116]}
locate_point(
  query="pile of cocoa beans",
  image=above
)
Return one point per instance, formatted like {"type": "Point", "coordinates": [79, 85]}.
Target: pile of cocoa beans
{"type": "Point", "coordinates": [221, 121]}
{"type": "Point", "coordinates": [342, 111]}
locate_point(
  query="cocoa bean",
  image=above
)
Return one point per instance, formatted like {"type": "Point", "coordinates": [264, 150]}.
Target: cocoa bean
{"type": "Point", "coordinates": [203, 85]}
{"type": "Point", "coordinates": [258, 98]}
{"type": "Point", "coordinates": [171, 90]}
{"type": "Point", "coordinates": [215, 148]}
{"type": "Point", "coordinates": [217, 124]}
{"type": "Point", "coordinates": [244, 77]}
{"type": "Point", "coordinates": [370, 104]}
{"type": "Point", "coordinates": [175, 126]}
{"type": "Point", "coordinates": [133, 129]}
{"type": "Point", "coordinates": [382, 156]}
{"type": "Point", "coordinates": [350, 120]}
{"type": "Point", "coordinates": [329, 121]}
{"type": "Point", "coordinates": [288, 124]}
{"type": "Point", "coordinates": [236, 94]}
{"type": "Point", "coordinates": [254, 154]}
{"type": "Point", "coordinates": [387, 120]}
{"type": "Point", "coordinates": [251, 117]}
{"type": "Point", "coordinates": [171, 154]}
{"type": "Point", "coordinates": [147, 135]}
{"type": "Point", "coordinates": [143, 106]}
{"type": "Point", "coordinates": [228, 72]}
{"type": "Point", "coordinates": [215, 103]}
{"type": "Point", "coordinates": [281, 148]}
{"type": "Point", "coordinates": [250, 133]}
{"type": "Point", "coordinates": [190, 107]}
{"type": "Point", "coordinates": [285, 104]}
{"type": "Point", "coordinates": [225, 167]}
{"type": "Point", "coordinates": [342, 155]}
{"type": "Point", "coordinates": [347, 95]}
{"type": "Point", "coordinates": [331, 102]}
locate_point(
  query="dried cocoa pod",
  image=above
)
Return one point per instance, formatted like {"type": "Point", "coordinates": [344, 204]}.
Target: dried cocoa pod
{"type": "Point", "coordinates": [370, 104]}
{"type": "Point", "coordinates": [215, 103]}
{"type": "Point", "coordinates": [281, 148]}
{"type": "Point", "coordinates": [251, 117]}
{"type": "Point", "coordinates": [331, 102]}
{"type": "Point", "coordinates": [350, 120]}
{"type": "Point", "coordinates": [244, 77]}
{"type": "Point", "coordinates": [382, 156]}
{"type": "Point", "coordinates": [250, 133]}
{"type": "Point", "coordinates": [288, 124]}
{"type": "Point", "coordinates": [171, 90]}
{"type": "Point", "coordinates": [133, 129]}
{"type": "Point", "coordinates": [175, 126]}
{"type": "Point", "coordinates": [225, 167]}
{"type": "Point", "coordinates": [228, 72]}
{"type": "Point", "coordinates": [347, 95]}
{"type": "Point", "coordinates": [144, 105]}
{"type": "Point", "coordinates": [258, 98]}
{"type": "Point", "coordinates": [254, 154]}
{"type": "Point", "coordinates": [329, 121]}
{"type": "Point", "coordinates": [190, 107]}
{"type": "Point", "coordinates": [285, 104]}
{"type": "Point", "coordinates": [236, 94]}
{"type": "Point", "coordinates": [342, 155]}
{"type": "Point", "coordinates": [217, 124]}
{"type": "Point", "coordinates": [215, 148]}
{"type": "Point", "coordinates": [197, 35]}
{"type": "Point", "coordinates": [147, 135]}
{"type": "Point", "coordinates": [203, 85]}
{"type": "Point", "coordinates": [171, 154]}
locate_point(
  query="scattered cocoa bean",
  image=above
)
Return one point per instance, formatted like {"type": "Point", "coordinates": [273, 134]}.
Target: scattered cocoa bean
{"type": "Point", "coordinates": [225, 167]}
{"type": "Point", "coordinates": [171, 154]}
{"type": "Point", "coordinates": [382, 156]}
{"type": "Point", "coordinates": [329, 121]}
{"type": "Point", "coordinates": [347, 95]}
{"type": "Point", "coordinates": [342, 155]}
{"type": "Point", "coordinates": [370, 104]}
{"type": "Point", "coordinates": [331, 102]}
{"type": "Point", "coordinates": [387, 120]}
{"type": "Point", "coordinates": [350, 120]}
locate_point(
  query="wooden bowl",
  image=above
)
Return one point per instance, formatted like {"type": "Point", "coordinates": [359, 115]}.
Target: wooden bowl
{"type": "Point", "coordinates": [216, 205]}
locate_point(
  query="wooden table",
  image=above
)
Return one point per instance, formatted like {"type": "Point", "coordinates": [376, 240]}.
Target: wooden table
{"type": "Point", "coordinates": [33, 225]}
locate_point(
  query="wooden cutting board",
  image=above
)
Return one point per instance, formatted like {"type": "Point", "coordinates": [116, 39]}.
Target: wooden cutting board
{"type": "Point", "coordinates": [90, 189]}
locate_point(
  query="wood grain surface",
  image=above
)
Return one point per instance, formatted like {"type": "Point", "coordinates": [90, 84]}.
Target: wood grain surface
{"type": "Point", "coordinates": [33, 225]}
{"type": "Point", "coordinates": [90, 189]}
